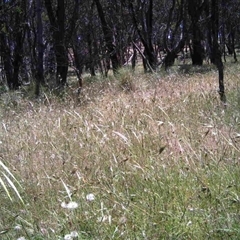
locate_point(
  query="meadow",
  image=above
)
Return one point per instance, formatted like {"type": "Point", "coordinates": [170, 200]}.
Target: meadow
{"type": "Point", "coordinates": [135, 156]}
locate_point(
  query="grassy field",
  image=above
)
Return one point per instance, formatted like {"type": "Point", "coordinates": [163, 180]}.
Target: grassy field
{"type": "Point", "coordinates": [136, 156]}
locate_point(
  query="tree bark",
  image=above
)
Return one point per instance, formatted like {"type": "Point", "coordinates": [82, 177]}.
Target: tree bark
{"type": "Point", "coordinates": [6, 57]}
{"type": "Point", "coordinates": [173, 49]}
{"type": "Point", "coordinates": [108, 35]}
{"type": "Point", "coordinates": [216, 49]}
{"type": "Point", "coordinates": [12, 49]}
{"type": "Point", "coordinates": [58, 32]}
{"type": "Point", "coordinates": [197, 50]}
{"type": "Point", "coordinates": [40, 49]}
{"type": "Point", "coordinates": [145, 34]}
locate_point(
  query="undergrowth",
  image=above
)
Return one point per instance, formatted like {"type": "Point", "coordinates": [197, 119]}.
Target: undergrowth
{"type": "Point", "coordinates": [138, 156]}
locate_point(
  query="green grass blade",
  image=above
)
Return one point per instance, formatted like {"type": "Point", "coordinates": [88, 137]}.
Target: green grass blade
{"type": "Point", "coordinates": [13, 187]}
{"type": "Point", "coordinates": [9, 172]}
{"type": "Point", "coordinates": [5, 188]}
{"type": "Point", "coordinates": [67, 190]}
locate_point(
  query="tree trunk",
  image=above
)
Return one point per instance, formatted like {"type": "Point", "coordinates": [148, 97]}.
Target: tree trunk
{"type": "Point", "coordinates": [58, 33]}
{"type": "Point", "coordinates": [145, 33]}
{"type": "Point", "coordinates": [12, 49]}
{"type": "Point", "coordinates": [216, 48]}
{"type": "Point", "coordinates": [197, 51]}
{"type": "Point", "coordinates": [108, 35]}
{"type": "Point", "coordinates": [231, 43]}
{"type": "Point", "coordinates": [40, 49]}
{"type": "Point", "coordinates": [18, 50]}
{"type": "Point", "coordinates": [6, 57]}
{"type": "Point", "coordinates": [134, 57]}
{"type": "Point", "coordinates": [91, 55]}
{"type": "Point", "coordinates": [174, 48]}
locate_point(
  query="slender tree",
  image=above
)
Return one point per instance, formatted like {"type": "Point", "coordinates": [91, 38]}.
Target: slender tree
{"type": "Point", "coordinates": [61, 34]}
{"type": "Point", "coordinates": [217, 58]}
{"type": "Point", "coordinates": [40, 47]}
{"type": "Point", "coordinates": [5, 45]}
{"type": "Point", "coordinates": [109, 38]}
{"type": "Point", "coordinates": [12, 36]}
{"type": "Point", "coordinates": [142, 16]}
{"type": "Point", "coordinates": [57, 21]}
{"type": "Point", "coordinates": [195, 8]}
{"type": "Point", "coordinates": [174, 36]}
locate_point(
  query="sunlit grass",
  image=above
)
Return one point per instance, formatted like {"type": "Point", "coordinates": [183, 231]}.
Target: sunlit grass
{"type": "Point", "coordinates": [7, 180]}
{"type": "Point", "coordinates": [138, 156]}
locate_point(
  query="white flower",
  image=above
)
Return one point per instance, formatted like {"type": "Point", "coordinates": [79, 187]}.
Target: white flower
{"type": "Point", "coordinates": [189, 223]}
{"type": "Point", "coordinates": [68, 237]}
{"type": "Point", "coordinates": [21, 238]}
{"type": "Point", "coordinates": [74, 234]}
{"type": "Point", "coordinates": [70, 205]}
{"type": "Point", "coordinates": [17, 227]}
{"type": "Point", "coordinates": [71, 236]}
{"type": "Point", "coordinates": [90, 197]}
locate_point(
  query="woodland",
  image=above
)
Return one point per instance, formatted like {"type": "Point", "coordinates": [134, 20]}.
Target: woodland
{"type": "Point", "coordinates": [42, 39]}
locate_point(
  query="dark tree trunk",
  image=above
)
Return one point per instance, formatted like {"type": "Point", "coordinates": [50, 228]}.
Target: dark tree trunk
{"type": "Point", "coordinates": [108, 35]}
{"type": "Point", "coordinates": [40, 49]}
{"type": "Point", "coordinates": [60, 46]}
{"type": "Point", "coordinates": [6, 58]}
{"type": "Point", "coordinates": [18, 50]}
{"type": "Point", "coordinates": [145, 32]}
{"type": "Point", "coordinates": [216, 48]}
{"type": "Point", "coordinates": [62, 64]}
{"type": "Point", "coordinates": [209, 40]}
{"type": "Point", "coordinates": [58, 33]}
{"type": "Point", "coordinates": [173, 49]}
{"type": "Point", "coordinates": [16, 65]}
{"type": "Point", "coordinates": [197, 51]}
{"type": "Point", "coordinates": [12, 48]}
{"type": "Point", "coordinates": [91, 55]}
{"type": "Point", "coordinates": [169, 59]}
{"type": "Point", "coordinates": [231, 43]}
{"type": "Point", "coordinates": [78, 65]}
{"type": "Point", "coordinates": [149, 49]}
{"type": "Point", "coordinates": [134, 57]}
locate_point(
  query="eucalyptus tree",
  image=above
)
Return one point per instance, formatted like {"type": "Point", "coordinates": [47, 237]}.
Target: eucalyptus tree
{"type": "Point", "coordinates": [195, 10]}
{"type": "Point", "coordinates": [175, 33]}
{"type": "Point", "coordinates": [216, 52]}
{"type": "Point", "coordinates": [109, 36]}
{"type": "Point", "coordinates": [78, 43]}
{"type": "Point", "coordinates": [40, 47]}
{"type": "Point", "coordinates": [13, 26]}
{"type": "Point", "coordinates": [231, 19]}
{"type": "Point", "coordinates": [116, 35]}
{"type": "Point", "coordinates": [62, 16]}
{"type": "Point", "coordinates": [143, 21]}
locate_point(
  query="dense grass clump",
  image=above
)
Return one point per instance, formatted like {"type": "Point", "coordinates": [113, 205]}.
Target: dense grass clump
{"type": "Point", "coordinates": [136, 156]}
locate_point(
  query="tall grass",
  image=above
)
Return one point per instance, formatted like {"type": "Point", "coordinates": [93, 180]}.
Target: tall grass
{"type": "Point", "coordinates": [8, 179]}
{"type": "Point", "coordinates": [136, 157]}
